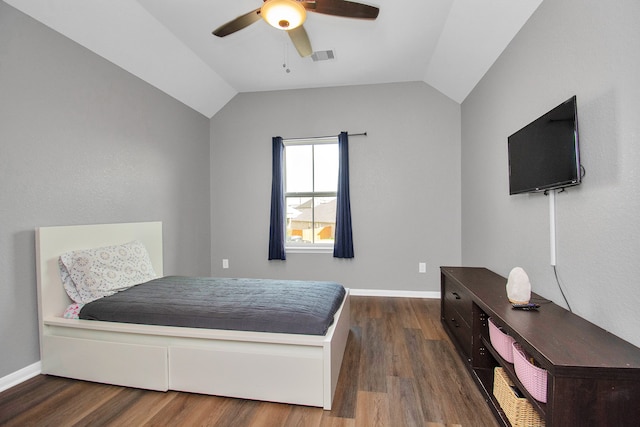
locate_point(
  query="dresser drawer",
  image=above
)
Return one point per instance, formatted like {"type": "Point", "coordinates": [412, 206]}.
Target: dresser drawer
{"type": "Point", "coordinates": [457, 298]}
{"type": "Point", "coordinates": [460, 330]}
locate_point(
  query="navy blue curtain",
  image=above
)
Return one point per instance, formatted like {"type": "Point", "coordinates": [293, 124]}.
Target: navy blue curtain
{"type": "Point", "coordinates": [276, 230]}
{"type": "Point", "coordinates": [343, 245]}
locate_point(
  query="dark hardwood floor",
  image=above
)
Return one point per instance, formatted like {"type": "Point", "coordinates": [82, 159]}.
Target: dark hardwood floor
{"type": "Point", "coordinates": [399, 369]}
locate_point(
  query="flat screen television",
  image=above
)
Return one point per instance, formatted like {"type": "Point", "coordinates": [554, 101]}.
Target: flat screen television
{"type": "Point", "coordinates": [544, 155]}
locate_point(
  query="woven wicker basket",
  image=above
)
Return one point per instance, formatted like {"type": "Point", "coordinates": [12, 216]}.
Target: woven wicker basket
{"type": "Point", "coordinates": [518, 410]}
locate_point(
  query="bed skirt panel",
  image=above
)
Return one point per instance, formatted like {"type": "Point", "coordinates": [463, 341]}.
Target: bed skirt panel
{"type": "Point", "coordinates": [287, 374]}
{"type": "Point", "coordinates": [130, 365]}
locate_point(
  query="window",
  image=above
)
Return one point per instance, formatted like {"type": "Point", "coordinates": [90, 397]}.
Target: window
{"type": "Point", "coordinates": [311, 188]}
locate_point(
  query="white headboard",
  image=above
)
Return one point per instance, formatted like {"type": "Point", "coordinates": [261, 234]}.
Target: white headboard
{"type": "Point", "coordinates": [51, 242]}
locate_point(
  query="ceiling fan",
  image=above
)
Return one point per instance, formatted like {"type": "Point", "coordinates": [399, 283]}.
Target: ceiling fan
{"type": "Point", "coordinates": [289, 15]}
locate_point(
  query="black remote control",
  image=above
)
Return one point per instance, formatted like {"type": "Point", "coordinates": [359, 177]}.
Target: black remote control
{"type": "Point", "coordinates": [529, 306]}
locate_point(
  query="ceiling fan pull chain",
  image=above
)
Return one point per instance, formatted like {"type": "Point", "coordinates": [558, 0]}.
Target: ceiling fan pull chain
{"type": "Point", "coordinates": [285, 57]}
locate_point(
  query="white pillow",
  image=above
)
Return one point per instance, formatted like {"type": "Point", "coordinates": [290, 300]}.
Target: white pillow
{"type": "Point", "coordinates": [95, 273]}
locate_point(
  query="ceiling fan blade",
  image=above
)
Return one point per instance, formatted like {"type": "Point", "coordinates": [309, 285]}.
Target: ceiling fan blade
{"type": "Point", "coordinates": [347, 9]}
{"type": "Point", "coordinates": [301, 41]}
{"type": "Point", "coordinates": [237, 24]}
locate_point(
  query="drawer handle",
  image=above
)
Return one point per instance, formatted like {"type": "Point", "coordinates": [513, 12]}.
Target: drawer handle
{"type": "Point", "coordinates": [455, 294]}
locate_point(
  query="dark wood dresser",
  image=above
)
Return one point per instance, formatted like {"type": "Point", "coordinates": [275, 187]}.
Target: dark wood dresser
{"type": "Point", "coordinates": [593, 376]}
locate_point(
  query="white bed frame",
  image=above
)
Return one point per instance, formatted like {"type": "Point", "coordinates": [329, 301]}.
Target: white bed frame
{"type": "Point", "coordinates": [287, 368]}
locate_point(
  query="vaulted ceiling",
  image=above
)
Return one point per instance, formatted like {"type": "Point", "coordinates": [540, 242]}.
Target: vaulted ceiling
{"type": "Point", "coordinates": [449, 44]}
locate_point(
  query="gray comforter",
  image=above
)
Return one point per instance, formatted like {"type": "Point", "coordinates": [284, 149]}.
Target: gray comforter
{"type": "Point", "coordinates": [284, 306]}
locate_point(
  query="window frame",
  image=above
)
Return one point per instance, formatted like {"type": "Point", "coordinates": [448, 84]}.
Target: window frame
{"type": "Point", "coordinates": [294, 247]}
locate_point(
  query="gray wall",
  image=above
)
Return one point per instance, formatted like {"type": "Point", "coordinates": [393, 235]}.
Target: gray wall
{"type": "Point", "coordinates": [405, 182]}
{"type": "Point", "coordinates": [81, 142]}
{"type": "Point", "coordinates": [590, 49]}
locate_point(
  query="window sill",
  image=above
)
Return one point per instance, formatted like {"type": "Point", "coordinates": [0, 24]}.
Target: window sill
{"type": "Point", "coordinates": [309, 249]}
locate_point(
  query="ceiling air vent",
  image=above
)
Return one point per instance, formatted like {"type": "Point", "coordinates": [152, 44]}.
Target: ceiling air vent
{"type": "Point", "coordinates": [322, 55]}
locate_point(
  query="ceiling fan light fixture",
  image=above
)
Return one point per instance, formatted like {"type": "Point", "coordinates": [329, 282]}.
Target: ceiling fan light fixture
{"type": "Point", "coordinates": [283, 14]}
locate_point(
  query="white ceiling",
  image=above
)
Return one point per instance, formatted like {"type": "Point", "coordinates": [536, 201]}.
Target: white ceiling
{"type": "Point", "coordinates": [449, 44]}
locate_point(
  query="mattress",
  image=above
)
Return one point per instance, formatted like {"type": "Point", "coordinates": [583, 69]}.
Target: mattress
{"type": "Point", "coordinates": [260, 305]}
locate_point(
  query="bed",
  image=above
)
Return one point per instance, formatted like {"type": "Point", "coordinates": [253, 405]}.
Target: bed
{"type": "Point", "coordinates": [279, 367]}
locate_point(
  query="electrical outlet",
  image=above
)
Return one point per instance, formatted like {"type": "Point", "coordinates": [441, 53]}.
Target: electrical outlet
{"type": "Point", "coordinates": [225, 263]}
{"type": "Point", "coordinates": [422, 267]}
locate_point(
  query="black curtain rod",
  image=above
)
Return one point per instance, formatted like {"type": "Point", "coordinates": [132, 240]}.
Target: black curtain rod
{"type": "Point", "coordinates": [330, 136]}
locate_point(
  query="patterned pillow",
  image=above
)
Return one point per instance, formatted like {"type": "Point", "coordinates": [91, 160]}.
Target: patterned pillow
{"type": "Point", "coordinates": [95, 273]}
{"type": "Point", "coordinates": [73, 311]}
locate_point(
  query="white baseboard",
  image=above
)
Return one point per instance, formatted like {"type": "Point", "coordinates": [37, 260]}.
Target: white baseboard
{"type": "Point", "coordinates": [391, 293]}
{"type": "Point", "coordinates": [22, 375]}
